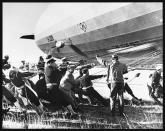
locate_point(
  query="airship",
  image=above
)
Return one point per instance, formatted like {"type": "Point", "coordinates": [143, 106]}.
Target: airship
{"type": "Point", "coordinates": [83, 30]}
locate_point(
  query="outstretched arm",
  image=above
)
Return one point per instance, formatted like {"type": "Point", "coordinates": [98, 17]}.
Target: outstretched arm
{"type": "Point", "coordinates": [92, 77]}
{"type": "Point", "coordinates": [101, 61]}
{"type": "Point", "coordinates": [80, 68]}
{"type": "Point", "coordinates": [89, 66]}
{"type": "Point", "coordinates": [108, 73]}
{"type": "Point", "coordinates": [27, 74]}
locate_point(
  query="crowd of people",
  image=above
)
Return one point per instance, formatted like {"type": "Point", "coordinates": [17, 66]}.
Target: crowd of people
{"type": "Point", "coordinates": [58, 85]}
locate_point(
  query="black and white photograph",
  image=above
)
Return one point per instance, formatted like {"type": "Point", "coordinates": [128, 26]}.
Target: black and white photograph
{"type": "Point", "coordinates": [82, 65]}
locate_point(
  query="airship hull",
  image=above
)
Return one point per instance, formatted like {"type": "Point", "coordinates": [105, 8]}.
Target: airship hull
{"type": "Point", "coordinates": [106, 31]}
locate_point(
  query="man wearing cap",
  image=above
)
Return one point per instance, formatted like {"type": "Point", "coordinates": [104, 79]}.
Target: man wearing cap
{"type": "Point", "coordinates": [6, 91]}
{"type": "Point", "coordinates": [22, 67]}
{"type": "Point", "coordinates": [65, 63]}
{"type": "Point", "coordinates": [40, 67]}
{"type": "Point", "coordinates": [5, 61]}
{"type": "Point", "coordinates": [87, 87]}
{"type": "Point", "coordinates": [53, 77]}
{"type": "Point", "coordinates": [24, 88]}
{"type": "Point", "coordinates": [115, 72]}
{"type": "Point", "coordinates": [52, 73]}
{"type": "Point", "coordinates": [154, 89]}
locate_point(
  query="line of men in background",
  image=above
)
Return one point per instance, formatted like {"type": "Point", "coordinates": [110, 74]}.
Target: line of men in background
{"type": "Point", "coordinates": [57, 84]}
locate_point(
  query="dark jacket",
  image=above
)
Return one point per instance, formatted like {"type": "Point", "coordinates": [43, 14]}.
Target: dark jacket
{"type": "Point", "coordinates": [53, 74]}
{"type": "Point", "coordinates": [116, 71]}
{"type": "Point", "coordinates": [156, 78]}
{"type": "Point", "coordinates": [86, 80]}
{"type": "Point", "coordinates": [41, 65]}
{"type": "Point", "coordinates": [16, 77]}
{"type": "Point", "coordinates": [5, 80]}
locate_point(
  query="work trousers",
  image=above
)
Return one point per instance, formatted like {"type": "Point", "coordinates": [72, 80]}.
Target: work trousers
{"type": "Point", "coordinates": [126, 89]}
{"type": "Point", "coordinates": [29, 94]}
{"type": "Point", "coordinates": [41, 89]}
{"type": "Point", "coordinates": [9, 96]}
{"type": "Point", "coordinates": [117, 88]}
{"type": "Point", "coordinates": [93, 94]}
{"type": "Point", "coordinates": [56, 96]}
{"type": "Point", "coordinates": [155, 91]}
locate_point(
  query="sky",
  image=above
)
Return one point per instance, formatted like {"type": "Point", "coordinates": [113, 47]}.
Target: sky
{"type": "Point", "coordinates": [21, 19]}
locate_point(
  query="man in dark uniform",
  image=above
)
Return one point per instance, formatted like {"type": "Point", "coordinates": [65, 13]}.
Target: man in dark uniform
{"type": "Point", "coordinates": [24, 88]}
{"type": "Point", "coordinates": [154, 89]}
{"type": "Point", "coordinates": [22, 67]}
{"type": "Point", "coordinates": [40, 67]}
{"type": "Point", "coordinates": [41, 83]}
{"type": "Point", "coordinates": [7, 92]}
{"type": "Point", "coordinates": [115, 72]}
{"type": "Point", "coordinates": [87, 87]}
{"type": "Point", "coordinates": [53, 77]}
{"type": "Point", "coordinates": [5, 61]}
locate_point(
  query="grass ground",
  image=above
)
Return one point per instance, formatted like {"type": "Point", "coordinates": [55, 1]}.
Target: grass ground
{"type": "Point", "coordinates": [92, 117]}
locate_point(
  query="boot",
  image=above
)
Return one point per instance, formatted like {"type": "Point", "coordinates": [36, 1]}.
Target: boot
{"type": "Point", "coordinates": [69, 107]}
{"type": "Point", "coordinates": [19, 106]}
{"type": "Point", "coordinates": [40, 109]}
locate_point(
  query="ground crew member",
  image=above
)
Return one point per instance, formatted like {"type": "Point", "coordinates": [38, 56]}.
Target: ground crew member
{"type": "Point", "coordinates": [87, 87]}
{"type": "Point", "coordinates": [41, 66]}
{"type": "Point", "coordinates": [155, 87]}
{"type": "Point", "coordinates": [24, 88]}
{"type": "Point", "coordinates": [41, 83]}
{"type": "Point", "coordinates": [22, 67]}
{"type": "Point", "coordinates": [5, 61]}
{"type": "Point", "coordinates": [41, 89]}
{"type": "Point", "coordinates": [6, 92]}
{"type": "Point", "coordinates": [65, 63]}
{"type": "Point", "coordinates": [126, 86]}
{"type": "Point", "coordinates": [67, 84]}
{"type": "Point", "coordinates": [63, 66]}
{"type": "Point", "coordinates": [115, 72]}
{"type": "Point", "coordinates": [52, 77]}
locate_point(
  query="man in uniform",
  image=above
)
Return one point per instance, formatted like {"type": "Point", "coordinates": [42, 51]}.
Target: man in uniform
{"type": "Point", "coordinates": [155, 87]}
{"type": "Point", "coordinates": [7, 93]}
{"type": "Point", "coordinates": [53, 77]}
{"type": "Point", "coordinates": [24, 88]}
{"type": "Point", "coordinates": [67, 85]}
{"type": "Point", "coordinates": [115, 72]}
{"type": "Point", "coordinates": [87, 87]}
{"type": "Point", "coordinates": [40, 67]}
